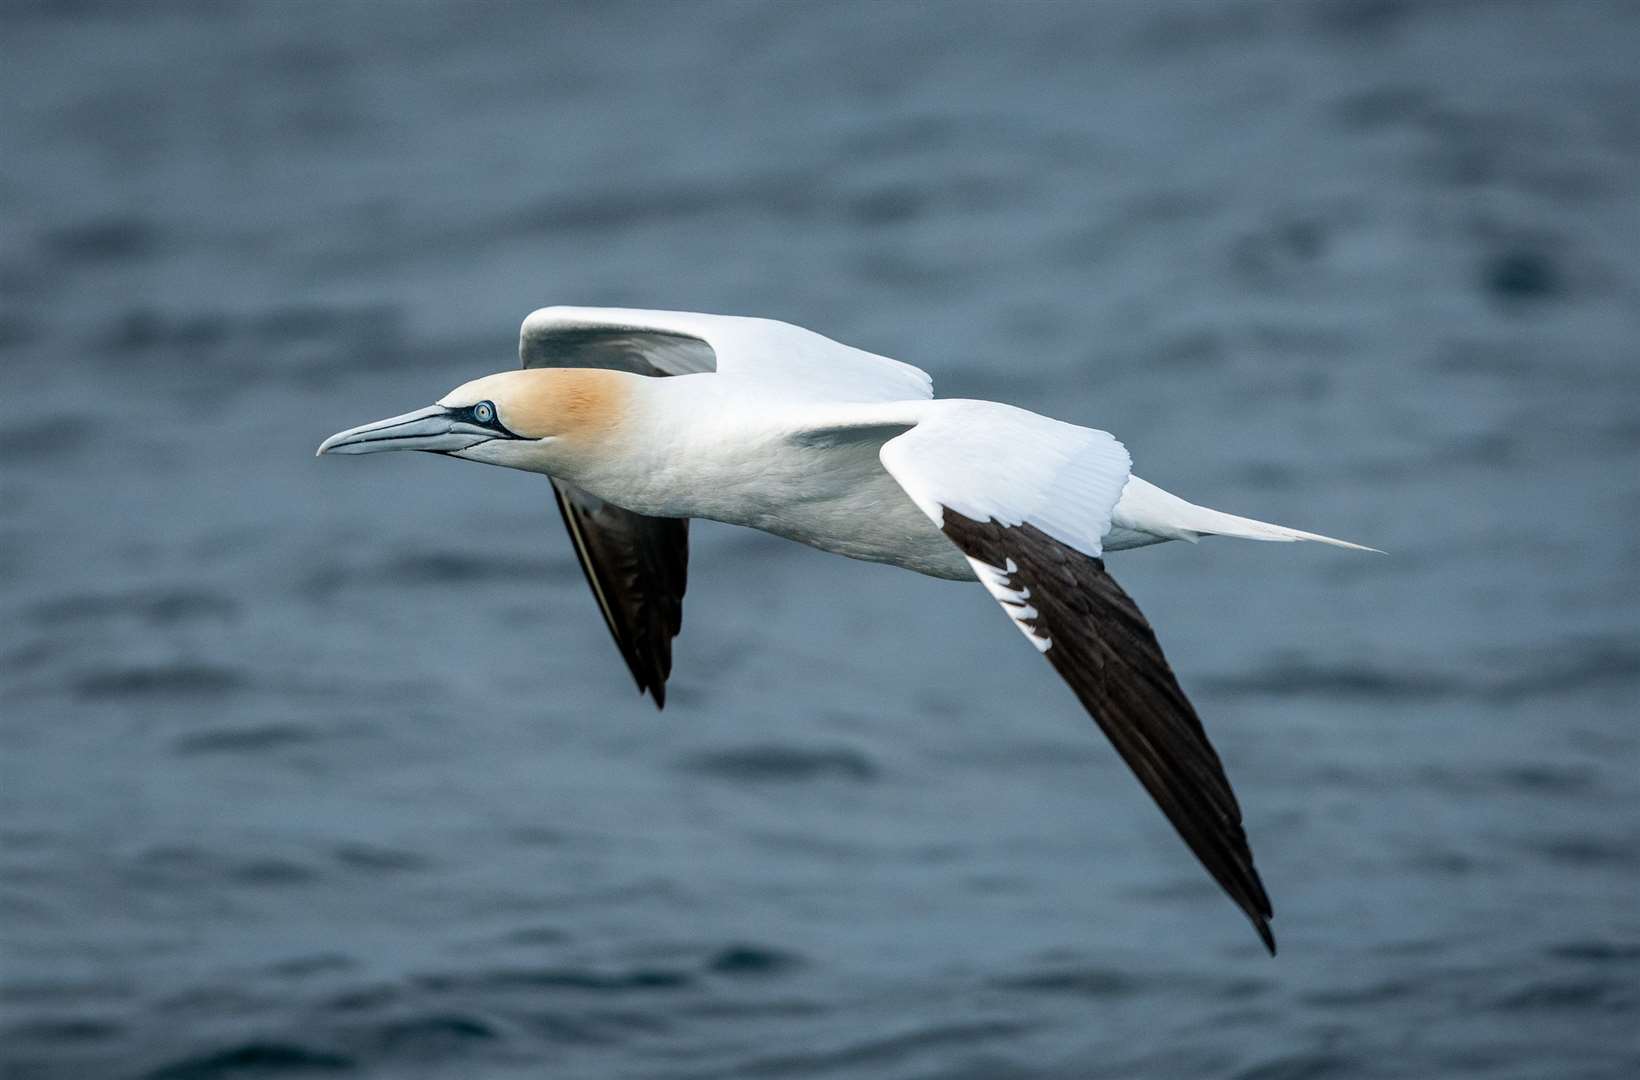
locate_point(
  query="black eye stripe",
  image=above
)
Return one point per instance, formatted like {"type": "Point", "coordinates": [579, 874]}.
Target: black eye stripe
{"type": "Point", "coordinates": [475, 414]}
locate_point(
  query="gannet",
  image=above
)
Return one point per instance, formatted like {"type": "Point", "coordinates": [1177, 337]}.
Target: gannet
{"type": "Point", "coordinates": [645, 419]}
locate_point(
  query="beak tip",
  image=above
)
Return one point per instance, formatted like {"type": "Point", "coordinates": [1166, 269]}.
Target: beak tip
{"type": "Point", "coordinates": [425, 429]}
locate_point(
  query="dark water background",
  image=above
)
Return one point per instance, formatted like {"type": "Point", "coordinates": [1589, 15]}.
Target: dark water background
{"type": "Point", "coordinates": [327, 767]}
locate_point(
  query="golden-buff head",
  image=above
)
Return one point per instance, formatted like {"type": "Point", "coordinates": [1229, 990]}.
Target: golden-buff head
{"type": "Point", "coordinates": [533, 419]}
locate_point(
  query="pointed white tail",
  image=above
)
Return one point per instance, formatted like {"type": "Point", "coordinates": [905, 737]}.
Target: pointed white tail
{"type": "Point", "coordinates": [1146, 508]}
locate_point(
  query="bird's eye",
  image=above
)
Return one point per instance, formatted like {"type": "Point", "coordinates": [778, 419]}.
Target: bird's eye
{"type": "Point", "coordinates": [484, 412]}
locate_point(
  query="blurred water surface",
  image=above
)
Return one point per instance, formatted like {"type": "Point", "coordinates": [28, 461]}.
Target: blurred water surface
{"type": "Point", "coordinates": [327, 767]}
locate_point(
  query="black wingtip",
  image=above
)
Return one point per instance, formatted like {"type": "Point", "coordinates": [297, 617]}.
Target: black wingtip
{"type": "Point", "coordinates": [1104, 648]}
{"type": "Point", "coordinates": [638, 569]}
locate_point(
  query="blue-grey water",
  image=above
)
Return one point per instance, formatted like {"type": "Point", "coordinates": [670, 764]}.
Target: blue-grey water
{"type": "Point", "coordinates": [327, 767]}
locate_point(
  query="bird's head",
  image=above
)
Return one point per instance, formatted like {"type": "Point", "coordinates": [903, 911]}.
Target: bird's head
{"type": "Point", "coordinates": [533, 419]}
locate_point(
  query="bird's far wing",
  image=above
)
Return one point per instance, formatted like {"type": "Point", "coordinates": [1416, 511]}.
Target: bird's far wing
{"type": "Point", "coordinates": [1028, 500]}
{"type": "Point", "coordinates": [638, 568]}
{"type": "Point", "coordinates": [805, 364]}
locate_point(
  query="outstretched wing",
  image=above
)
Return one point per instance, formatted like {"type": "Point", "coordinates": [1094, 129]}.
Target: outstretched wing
{"type": "Point", "coordinates": [806, 364]}
{"type": "Point", "coordinates": [637, 565]}
{"type": "Point", "coordinates": [1028, 500]}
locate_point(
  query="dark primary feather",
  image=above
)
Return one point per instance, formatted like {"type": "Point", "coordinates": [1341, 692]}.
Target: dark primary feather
{"type": "Point", "coordinates": [1104, 648]}
{"type": "Point", "coordinates": [638, 568]}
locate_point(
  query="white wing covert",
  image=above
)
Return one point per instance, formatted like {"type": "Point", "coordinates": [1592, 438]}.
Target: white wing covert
{"type": "Point", "coordinates": [995, 462]}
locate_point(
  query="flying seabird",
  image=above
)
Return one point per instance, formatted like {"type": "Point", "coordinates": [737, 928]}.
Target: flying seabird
{"type": "Point", "coordinates": [645, 419]}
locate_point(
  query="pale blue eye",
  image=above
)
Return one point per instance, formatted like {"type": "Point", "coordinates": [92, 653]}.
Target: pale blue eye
{"type": "Point", "coordinates": [484, 412]}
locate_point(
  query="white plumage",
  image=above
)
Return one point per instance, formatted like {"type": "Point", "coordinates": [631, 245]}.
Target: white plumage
{"type": "Point", "coordinates": [644, 419]}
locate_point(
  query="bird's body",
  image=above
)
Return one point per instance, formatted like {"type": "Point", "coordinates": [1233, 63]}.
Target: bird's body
{"type": "Point", "coordinates": [645, 419]}
{"type": "Point", "coordinates": [735, 450]}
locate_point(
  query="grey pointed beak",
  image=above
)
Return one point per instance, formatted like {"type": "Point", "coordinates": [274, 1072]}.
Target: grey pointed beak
{"type": "Point", "coordinates": [434, 428]}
